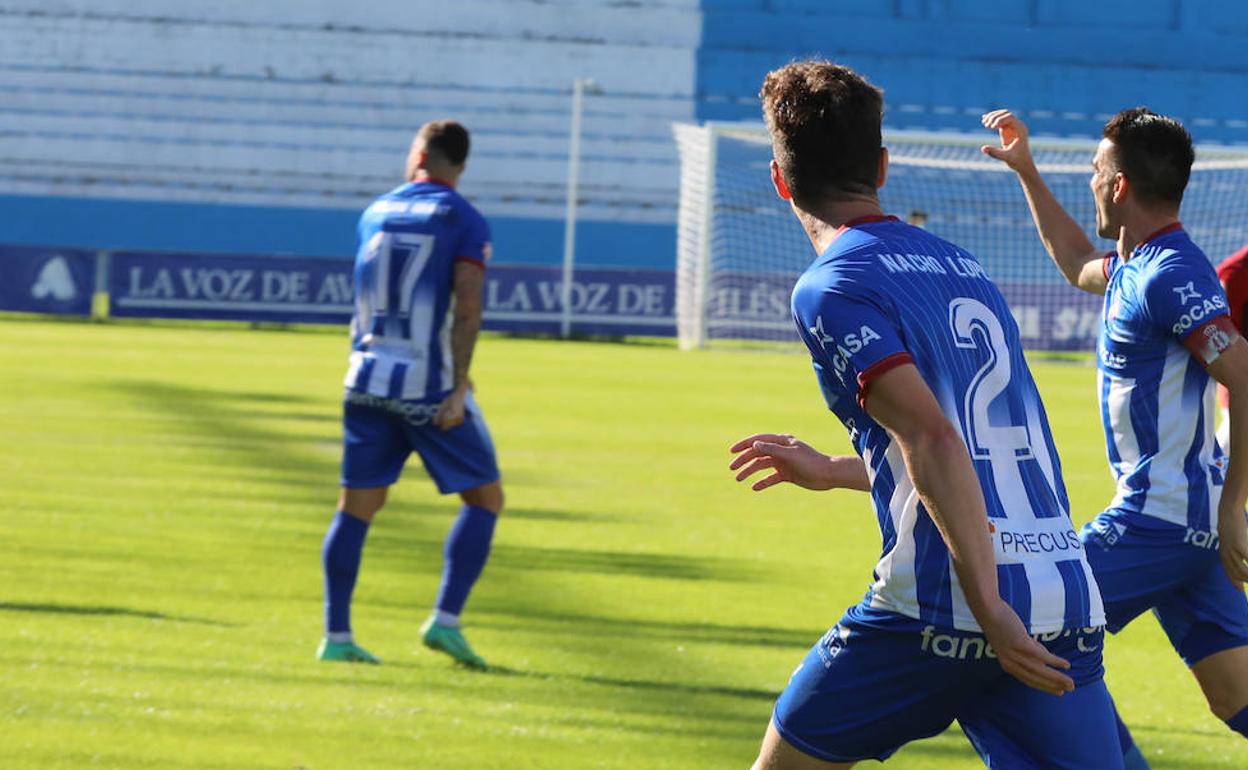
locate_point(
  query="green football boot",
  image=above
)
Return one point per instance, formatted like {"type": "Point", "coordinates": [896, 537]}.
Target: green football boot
{"type": "Point", "coordinates": [450, 640]}
{"type": "Point", "coordinates": [346, 652]}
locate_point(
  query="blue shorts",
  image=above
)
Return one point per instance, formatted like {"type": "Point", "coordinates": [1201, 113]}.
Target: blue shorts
{"type": "Point", "coordinates": [879, 680]}
{"type": "Point", "coordinates": [379, 434]}
{"type": "Point", "coordinates": [1173, 571]}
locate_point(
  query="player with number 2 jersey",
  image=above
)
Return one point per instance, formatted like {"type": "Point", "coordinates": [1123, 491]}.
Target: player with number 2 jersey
{"type": "Point", "coordinates": [982, 607]}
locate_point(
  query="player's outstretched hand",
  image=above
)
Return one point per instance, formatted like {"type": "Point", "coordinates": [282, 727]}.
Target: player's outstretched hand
{"type": "Point", "coordinates": [789, 460]}
{"type": "Point", "coordinates": [1233, 546]}
{"type": "Point", "coordinates": [1015, 150]}
{"type": "Point", "coordinates": [1021, 656]}
{"type": "Point", "coordinates": [451, 411]}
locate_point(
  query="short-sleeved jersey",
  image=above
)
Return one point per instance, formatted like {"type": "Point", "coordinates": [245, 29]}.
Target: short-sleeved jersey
{"type": "Point", "coordinates": [410, 239]}
{"type": "Point", "coordinates": [1233, 273]}
{"type": "Point", "coordinates": [1156, 398]}
{"type": "Point", "coordinates": [885, 294]}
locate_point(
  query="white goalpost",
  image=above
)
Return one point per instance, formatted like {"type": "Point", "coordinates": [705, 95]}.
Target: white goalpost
{"type": "Point", "coordinates": [739, 249]}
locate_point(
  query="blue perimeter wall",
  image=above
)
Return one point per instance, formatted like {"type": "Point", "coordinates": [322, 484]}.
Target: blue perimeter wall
{"type": "Point", "coordinates": [95, 223]}
{"type": "Point", "coordinates": [1067, 63]}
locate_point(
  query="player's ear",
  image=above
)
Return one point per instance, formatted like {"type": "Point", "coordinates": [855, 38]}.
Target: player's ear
{"type": "Point", "coordinates": [777, 181]}
{"type": "Point", "coordinates": [881, 174]}
{"type": "Point", "coordinates": [1121, 187]}
{"type": "Point", "coordinates": [415, 161]}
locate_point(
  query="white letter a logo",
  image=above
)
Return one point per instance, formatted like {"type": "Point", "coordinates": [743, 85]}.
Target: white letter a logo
{"type": "Point", "coordinates": [54, 281]}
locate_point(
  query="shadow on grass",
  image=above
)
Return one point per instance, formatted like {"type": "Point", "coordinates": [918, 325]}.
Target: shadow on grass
{"type": "Point", "coordinates": [528, 559]}
{"type": "Point", "coordinates": [797, 639]}
{"type": "Point", "coordinates": [644, 685]}
{"type": "Point", "coordinates": [1162, 730]}
{"type": "Point", "coordinates": [86, 609]}
{"type": "Point", "coordinates": [236, 420]}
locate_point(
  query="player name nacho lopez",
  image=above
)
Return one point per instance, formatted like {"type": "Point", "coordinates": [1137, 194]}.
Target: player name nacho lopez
{"type": "Point", "coordinates": [416, 413]}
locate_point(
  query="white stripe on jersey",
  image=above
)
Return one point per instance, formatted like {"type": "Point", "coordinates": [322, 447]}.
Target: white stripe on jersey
{"type": "Point", "coordinates": [895, 588]}
{"type": "Point", "coordinates": [1176, 428]}
{"type": "Point", "coordinates": [1035, 429]}
{"type": "Point", "coordinates": [1097, 604]}
{"type": "Point", "coordinates": [962, 610]}
{"type": "Point", "coordinates": [1118, 402]}
{"type": "Point", "coordinates": [388, 355]}
{"type": "Point", "coordinates": [383, 370]}
{"type": "Point", "coordinates": [354, 363]}
{"type": "Point", "coordinates": [444, 336]}
{"type": "Point", "coordinates": [1166, 496]}
{"type": "Point", "coordinates": [1046, 580]}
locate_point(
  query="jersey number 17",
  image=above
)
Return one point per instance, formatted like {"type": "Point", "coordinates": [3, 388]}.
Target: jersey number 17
{"type": "Point", "coordinates": [398, 259]}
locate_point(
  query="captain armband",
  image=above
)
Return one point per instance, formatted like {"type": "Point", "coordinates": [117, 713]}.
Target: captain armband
{"type": "Point", "coordinates": [1209, 340]}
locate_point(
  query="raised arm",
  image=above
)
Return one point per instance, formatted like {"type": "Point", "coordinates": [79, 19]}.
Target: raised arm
{"type": "Point", "coordinates": [940, 467]}
{"type": "Point", "coordinates": [468, 279]}
{"type": "Point", "coordinates": [1081, 262]}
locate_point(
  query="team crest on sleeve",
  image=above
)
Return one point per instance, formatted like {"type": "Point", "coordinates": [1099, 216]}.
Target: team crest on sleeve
{"type": "Point", "coordinates": [1215, 338]}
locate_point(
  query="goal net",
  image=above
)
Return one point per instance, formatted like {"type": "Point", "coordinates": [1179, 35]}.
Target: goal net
{"type": "Point", "coordinates": [740, 250]}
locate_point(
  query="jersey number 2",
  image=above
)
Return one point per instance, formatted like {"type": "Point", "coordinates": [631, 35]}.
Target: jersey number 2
{"type": "Point", "coordinates": [975, 327]}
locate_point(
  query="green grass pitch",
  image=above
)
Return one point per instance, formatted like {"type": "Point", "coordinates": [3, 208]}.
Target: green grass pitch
{"type": "Point", "coordinates": [167, 489]}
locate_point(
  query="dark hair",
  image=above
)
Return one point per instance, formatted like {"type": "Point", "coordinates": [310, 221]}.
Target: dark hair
{"type": "Point", "coordinates": [824, 121]}
{"type": "Point", "coordinates": [447, 139]}
{"type": "Point", "coordinates": [1154, 152]}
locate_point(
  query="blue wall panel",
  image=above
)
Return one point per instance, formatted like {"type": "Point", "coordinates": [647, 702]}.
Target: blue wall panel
{"type": "Point", "coordinates": [94, 223]}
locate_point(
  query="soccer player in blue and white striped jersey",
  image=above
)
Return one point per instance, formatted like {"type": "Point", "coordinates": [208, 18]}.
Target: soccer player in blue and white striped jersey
{"type": "Point", "coordinates": [418, 278]}
{"type": "Point", "coordinates": [982, 596]}
{"type": "Point", "coordinates": [1174, 538]}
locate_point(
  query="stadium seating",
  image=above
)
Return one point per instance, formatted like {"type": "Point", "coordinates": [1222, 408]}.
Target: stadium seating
{"type": "Point", "coordinates": [297, 106]}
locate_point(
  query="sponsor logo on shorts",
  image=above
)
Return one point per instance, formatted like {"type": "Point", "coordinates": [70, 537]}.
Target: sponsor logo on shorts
{"type": "Point", "coordinates": [416, 414]}
{"type": "Point", "coordinates": [1201, 538]}
{"type": "Point", "coordinates": [959, 647]}
{"type": "Point", "coordinates": [1109, 532]}
{"type": "Point", "coordinates": [832, 644]}
{"type": "Point", "coordinates": [976, 647]}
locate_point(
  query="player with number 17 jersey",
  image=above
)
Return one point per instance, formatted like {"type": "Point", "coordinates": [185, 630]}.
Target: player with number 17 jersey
{"type": "Point", "coordinates": [410, 239]}
{"type": "Point", "coordinates": [886, 294]}
{"type": "Point", "coordinates": [419, 274]}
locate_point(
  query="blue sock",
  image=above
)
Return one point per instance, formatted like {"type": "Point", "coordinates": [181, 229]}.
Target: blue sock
{"type": "Point", "coordinates": [1132, 759]}
{"type": "Point", "coordinates": [467, 548]}
{"type": "Point", "coordinates": [1239, 722]}
{"type": "Point", "coordinates": [340, 556]}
